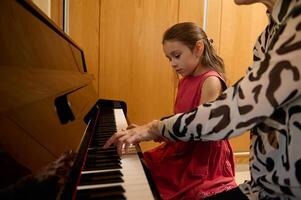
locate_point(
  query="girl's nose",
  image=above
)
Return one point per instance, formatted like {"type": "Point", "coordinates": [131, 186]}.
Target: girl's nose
{"type": "Point", "coordinates": [173, 63]}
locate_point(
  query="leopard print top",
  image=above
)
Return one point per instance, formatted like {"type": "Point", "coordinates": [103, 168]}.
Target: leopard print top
{"type": "Point", "coordinates": [266, 100]}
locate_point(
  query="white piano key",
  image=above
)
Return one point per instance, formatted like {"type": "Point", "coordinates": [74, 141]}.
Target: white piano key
{"type": "Point", "coordinates": [135, 182]}
{"type": "Point", "coordinates": [120, 119]}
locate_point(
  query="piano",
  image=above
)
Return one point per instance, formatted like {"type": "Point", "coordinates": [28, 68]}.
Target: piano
{"type": "Point", "coordinates": [48, 106]}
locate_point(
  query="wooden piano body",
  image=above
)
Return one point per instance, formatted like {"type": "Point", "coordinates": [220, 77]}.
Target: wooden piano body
{"type": "Point", "coordinates": [46, 93]}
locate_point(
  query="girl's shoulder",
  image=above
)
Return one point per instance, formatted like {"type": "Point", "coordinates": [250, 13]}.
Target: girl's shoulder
{"type": "Point", "coordinates": [199, 79]}
{"type": "Point", "coordinates": [211, 72]}
{"type": "Point", "coordinates": [214, 73]}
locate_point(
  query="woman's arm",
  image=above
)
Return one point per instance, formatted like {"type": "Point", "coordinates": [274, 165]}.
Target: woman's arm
{"type": "Point", "coordinates": [272, 83]}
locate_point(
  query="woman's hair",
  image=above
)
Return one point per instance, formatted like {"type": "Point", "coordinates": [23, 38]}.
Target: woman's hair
{"type": "Point", "coordinates": [189, 33]}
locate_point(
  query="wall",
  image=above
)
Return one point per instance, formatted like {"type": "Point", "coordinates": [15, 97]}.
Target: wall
{"type": "Point", "coordinates": [56, 12]}
{"type": "Point", "coordinates": [84, 30]}
{"type": "Point", "coordinates": [122, 45]}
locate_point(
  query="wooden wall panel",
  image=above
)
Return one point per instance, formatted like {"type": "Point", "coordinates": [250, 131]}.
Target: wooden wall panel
{"type": "Point", "coordinates": [213, 28]}
{"type": "Point", "coordinates": [84, 30]}
{"type": "Point", "coordinates": [191, 10]}
{"type": "Point", "coordinates": [56, 12]}
{"type": "Point", "coordinates": [240, 26]}
{"type": "Point", "coordinates": [234, 30]}
{"type": "Point", "coordinates": [132, 64]}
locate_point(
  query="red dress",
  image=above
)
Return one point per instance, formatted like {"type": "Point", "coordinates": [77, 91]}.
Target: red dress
{"type": "Point", "coordinates": [191, 170]}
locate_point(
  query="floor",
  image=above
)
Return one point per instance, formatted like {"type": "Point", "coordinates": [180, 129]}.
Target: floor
{"type": "Point", "coordinates": [242, 173]}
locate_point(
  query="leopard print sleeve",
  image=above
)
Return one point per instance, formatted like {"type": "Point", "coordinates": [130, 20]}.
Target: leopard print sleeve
{"type": "Point", "coordinates": [273, 82]}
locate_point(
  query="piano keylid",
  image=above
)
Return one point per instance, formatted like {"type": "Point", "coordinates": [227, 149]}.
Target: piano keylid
{"type": "Point", "coordinates": [131, 175]}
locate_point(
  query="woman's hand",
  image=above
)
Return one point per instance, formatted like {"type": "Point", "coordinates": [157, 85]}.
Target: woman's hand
{"type": "Point", "coordinates": [134, 135]}
{"type": "Point", "coordinates": [45, 183]}
{"type": "Point", "coordinates": [59, 168]}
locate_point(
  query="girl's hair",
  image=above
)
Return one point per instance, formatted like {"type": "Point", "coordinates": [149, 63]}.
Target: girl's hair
{"type": "Point", "coordinates": [189, 33]}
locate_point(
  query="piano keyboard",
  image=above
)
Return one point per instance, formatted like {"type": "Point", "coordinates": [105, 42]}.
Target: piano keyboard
{"type": "Point", "coordinates": [105, 175]}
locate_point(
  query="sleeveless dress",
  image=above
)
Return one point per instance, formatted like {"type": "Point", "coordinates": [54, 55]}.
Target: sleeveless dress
{"type": "Point", "coordinates": [191, 170]}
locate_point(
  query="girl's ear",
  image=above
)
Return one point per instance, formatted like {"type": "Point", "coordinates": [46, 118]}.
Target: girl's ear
{"type": "Point", "coordinates": [199, 48]}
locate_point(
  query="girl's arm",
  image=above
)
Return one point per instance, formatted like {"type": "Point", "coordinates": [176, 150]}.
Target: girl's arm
{"type": "Point", "coordinates": [211, 89]}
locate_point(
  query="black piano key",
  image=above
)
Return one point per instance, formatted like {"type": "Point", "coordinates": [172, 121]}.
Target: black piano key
{"type": "Point", "coordinates": [110, 125]}
{"type": "Point", "coordinates": [101, 178]}
{"type": "Point", "coordinates": [102, 166]}
{"type": "Point", "coordinates": [97, 196]}
{"type": "Point", "coordinates": [97, 140]}
{"type": "Point", "coordinates": [105, 121]}
{"type": "Point", "coordinates": [106, 125]}
{"type": "Point", "coordinates": [103, 135]}
{"type": "Point", "coordinates": [100, 143]}
{"type": "Point", "coordinates": [105, 130]}
{"type": "Point", "coordinates": [103, 156]}
{"type": "Point", "coordinates": [101, 138]}
{"type": "Point", "coordinates": [97, 159]}
{"type": "Point", "coordinates": [97, 154]}
{"type": "Point", "coordinates": [102, 161]}
{"type": "Point", "coordinates": [105, 193]}
{"type": "Point", "coordinates": [109, 151]}
{"type": "Point", "coordinates": [96, 145]}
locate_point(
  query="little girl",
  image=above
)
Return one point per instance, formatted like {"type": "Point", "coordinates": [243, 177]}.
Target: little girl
{"type": "Point", "coordinates": [192, 170]}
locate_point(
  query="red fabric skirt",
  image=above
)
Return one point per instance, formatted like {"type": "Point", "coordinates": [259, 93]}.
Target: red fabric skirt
{"type": "Point", "coordinates": [191, 170]}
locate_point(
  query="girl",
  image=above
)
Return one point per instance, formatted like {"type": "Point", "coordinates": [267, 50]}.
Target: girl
{"type": "Point", "coordinates": [178, 170]}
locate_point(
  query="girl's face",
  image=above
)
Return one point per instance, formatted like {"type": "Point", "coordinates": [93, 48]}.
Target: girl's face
{"type": "Point", "coordinates": [181, 58]}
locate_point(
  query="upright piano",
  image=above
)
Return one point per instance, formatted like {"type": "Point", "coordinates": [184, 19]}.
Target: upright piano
{"type": "Point", "coordinates": [48, 106]}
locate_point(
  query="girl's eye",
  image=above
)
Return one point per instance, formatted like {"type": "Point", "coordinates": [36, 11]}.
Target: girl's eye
{"type": "Point", "coordinates": [177, 56]}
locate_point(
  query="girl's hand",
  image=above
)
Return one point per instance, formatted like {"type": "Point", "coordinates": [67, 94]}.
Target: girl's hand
{"type": "Point", "coordinates": [124, 138]}
{"type": "Point", "coordinates": [131, 126]}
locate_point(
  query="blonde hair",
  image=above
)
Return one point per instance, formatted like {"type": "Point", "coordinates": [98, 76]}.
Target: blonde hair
{"type": "Point", "coordinates": [189, 33]}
